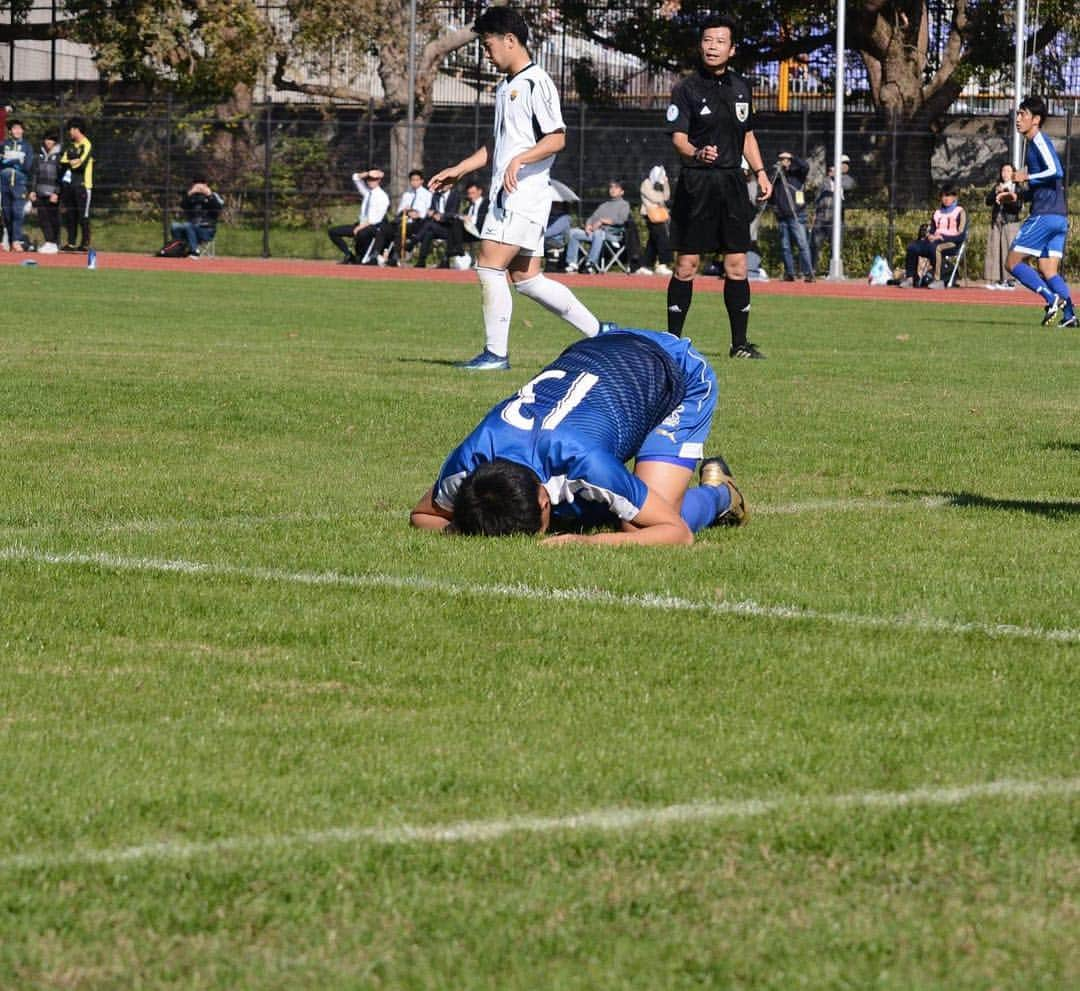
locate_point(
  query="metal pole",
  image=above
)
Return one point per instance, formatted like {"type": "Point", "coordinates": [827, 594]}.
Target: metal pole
{"type": "Point", "coordinates": [52, 52]}
{"type": "Point", "coordinates": [1018, 80]}
{"type": "Point", "coordinates": [412, 82]}
{"type": "Point", "coordinates": [268, 191]}
{"type": "Point", "coordinates": [836, 263]}
{"type": "Point", "coordinates": [891, 236]}
{"type": "Point", "coordinates": [166, 229]}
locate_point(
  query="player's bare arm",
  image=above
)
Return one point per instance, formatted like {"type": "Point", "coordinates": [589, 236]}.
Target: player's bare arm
{"type": "Point", "coordinates": [549, 144]}
{"type": "Point", "coordinates": [656, 524]}
{"type": "Point", "coordinates": [429, 515]}
{"type": "Point", "coordinates": [752, 154]}
{"type": "Point", "coordinates": [448, 177]}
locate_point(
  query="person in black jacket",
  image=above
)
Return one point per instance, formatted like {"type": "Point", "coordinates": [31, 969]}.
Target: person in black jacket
{"type": "Point", "coordinates": [789, 203]}
{"type": "Point", "coordinates": [45, 191]}
{"type": "Point", "coordinates": [201, 206]}
{"type": "Point", "coordinates": [436, 225]}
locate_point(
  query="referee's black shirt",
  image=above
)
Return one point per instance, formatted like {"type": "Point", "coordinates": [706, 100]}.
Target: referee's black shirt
{"type": "Point", "coordinates": [712, 110]}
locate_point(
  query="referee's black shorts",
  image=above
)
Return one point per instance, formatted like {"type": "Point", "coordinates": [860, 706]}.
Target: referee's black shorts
{"type": "Point", "coordinates": [711, 212]}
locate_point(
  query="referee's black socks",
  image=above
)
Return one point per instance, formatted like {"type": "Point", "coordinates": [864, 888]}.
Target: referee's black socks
{"type": "Point", "coordinates": [737, 301]}
{"type": "Point", "coordinates": [679, 295]}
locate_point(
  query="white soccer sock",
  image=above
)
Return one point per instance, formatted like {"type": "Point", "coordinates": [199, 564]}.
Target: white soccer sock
{"type": "Point", "coordinates": [498, 304]}
{"type": "Point", "coordinates": [554, 296]}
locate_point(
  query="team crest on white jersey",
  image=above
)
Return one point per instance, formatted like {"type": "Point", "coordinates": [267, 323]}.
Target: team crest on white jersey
{"type": "Point", "coordinates": [742, 112]}
{"type": "Point", "coordinates": [513, 94]}
{"type": "Point", "coordinates": [672, 113]}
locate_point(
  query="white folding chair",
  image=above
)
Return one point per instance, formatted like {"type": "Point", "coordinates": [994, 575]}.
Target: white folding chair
{"type": "Point", "coordinates": [611, 253]}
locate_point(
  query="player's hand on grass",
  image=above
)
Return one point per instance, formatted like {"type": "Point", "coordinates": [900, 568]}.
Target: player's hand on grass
{"type": "Point", "coordinates": [564, 538]}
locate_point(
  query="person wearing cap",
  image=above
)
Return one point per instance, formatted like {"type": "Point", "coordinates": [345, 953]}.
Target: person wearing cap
{"type": "Point", "coordinates": [374, 202]}
{"type": "Point", "coordinates": [711, 123]}
{"type": "Point", "coordinates": [610, 215]}
{"type": "Point", "coordinates": [789, 204]}
{"type": "Point", "coordinates": [15, 169]}
{"type": "Point", "coordinates": [823, 208]}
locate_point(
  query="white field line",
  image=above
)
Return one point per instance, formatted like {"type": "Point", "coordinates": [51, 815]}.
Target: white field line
{"type": "Point", "coordinates": [241, 522]}
{"type": "Point", "coordinates": [611, 820]}
{"type": "Point", "coordinates": [589, 596]}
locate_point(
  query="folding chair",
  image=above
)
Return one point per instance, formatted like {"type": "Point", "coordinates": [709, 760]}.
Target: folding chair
{"type": "Point", "coordinates": [956, 260]}
{"type": "Point", "coordinates": [611, 254]}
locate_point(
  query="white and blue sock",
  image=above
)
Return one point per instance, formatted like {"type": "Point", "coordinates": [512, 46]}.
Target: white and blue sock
{"type": "Point", "coordinates": [498, 305]}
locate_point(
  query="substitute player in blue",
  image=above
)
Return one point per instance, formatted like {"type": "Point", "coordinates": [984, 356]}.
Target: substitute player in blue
{"type": "Point", "coordinates": [553, 456]}
{"type": "Point", "coordinates": [1042, 235]}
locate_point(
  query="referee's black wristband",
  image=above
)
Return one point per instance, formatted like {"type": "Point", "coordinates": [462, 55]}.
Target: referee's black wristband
{"type": "Point", "coordinates": [756, 171]}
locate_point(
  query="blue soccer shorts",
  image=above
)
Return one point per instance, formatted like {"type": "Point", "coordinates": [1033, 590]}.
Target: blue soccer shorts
{"type": "Point", "coordinates": [1042, 236]}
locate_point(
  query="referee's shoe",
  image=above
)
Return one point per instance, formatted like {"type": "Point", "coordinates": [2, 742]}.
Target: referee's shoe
{"type": "Point", "coordinates": [746, 350]}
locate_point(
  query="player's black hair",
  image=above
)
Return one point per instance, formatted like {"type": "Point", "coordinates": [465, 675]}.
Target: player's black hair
{"type": "Point", "coordinates": [947, 189]}
{"type": "Point", "coordinates": [76, 122]}
{"type": "Point", "coordinates": [720, 21]}
{"type": "Point", "coordinates": [1036, 106]}
{"type": "Point", "coordinates": [497, 500]}
{"type": "Point", "coordinates": [503, 20]}
{"type": "Point", "coordinates": [416, 172]}
{"type": "Point", "coordinates": [16, 123]}
{"type": "Point", "coordinates": [51, 134]}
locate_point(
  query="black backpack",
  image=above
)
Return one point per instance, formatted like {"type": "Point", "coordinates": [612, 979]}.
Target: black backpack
{"type": "Point", "coordinates": [174, 249]}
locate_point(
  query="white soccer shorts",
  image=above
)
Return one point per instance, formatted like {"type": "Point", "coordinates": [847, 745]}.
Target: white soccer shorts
{"type": "Point", "coordinates": [513, 228]}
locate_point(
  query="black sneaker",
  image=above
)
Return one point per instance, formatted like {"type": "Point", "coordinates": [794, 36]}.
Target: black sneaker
{"type": "Point", "coordinates": [746, 350]}
{"type": "Point", "coordinates": [810, 277]}
{"type": "Point", "coordinates": [715, 472]}
{"type": "Point", "coordinates": [788, 277]}
{"type": "Point", "coordinates": [1051, 310]}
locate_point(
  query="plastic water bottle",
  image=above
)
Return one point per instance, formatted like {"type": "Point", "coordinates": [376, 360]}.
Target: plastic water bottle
{"type": "Point", "coordinates": [91, 259]}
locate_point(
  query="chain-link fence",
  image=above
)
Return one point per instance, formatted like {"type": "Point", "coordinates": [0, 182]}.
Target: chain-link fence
{"type": "Point", "coordinates": [285, 170]}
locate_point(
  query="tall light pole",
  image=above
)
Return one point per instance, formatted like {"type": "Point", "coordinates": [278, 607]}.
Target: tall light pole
{"type": "Point", "coordinates": [1018, 80]}
{"type": "Point", "coordinates": [412, 81]}
{"type": "Point", "coordinates": [836, 263]}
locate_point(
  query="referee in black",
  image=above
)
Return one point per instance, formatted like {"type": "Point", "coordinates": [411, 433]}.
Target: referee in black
{"type": "Point", "coordinates": [711, 122]}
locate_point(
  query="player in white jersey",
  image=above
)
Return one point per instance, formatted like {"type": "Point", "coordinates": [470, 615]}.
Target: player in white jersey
{"type": "Point", "coordinates": [529, 132]}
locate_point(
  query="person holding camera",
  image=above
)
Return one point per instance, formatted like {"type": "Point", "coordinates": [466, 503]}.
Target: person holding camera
{"type": "Point", "coordinates": [374, 202]}
{"type": "Point", "coordinates": [1005, 207]}
{"type": "Point", "coordinates": [789, 205]}
{"type": "Point", "coordinates": [201, 207]}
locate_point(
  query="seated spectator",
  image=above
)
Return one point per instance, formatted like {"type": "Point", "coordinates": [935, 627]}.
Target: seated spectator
{"type": "Point", "coordinates": [465, 228]}
{"type": "Point", "coordinates": [612, 213]}
{"type": "Point", "coordinates": [373, 206]}
{"type": "Point", "coordinates": [946, 233]}
{"type": "Point", "coordinates": [397, 234]}
{"type": "Point", "coordinates": [655, 196]}
{"type": "Point", "coordinates": [1004, 226]}
{"type": "Point", "coordinates": [436, 225]}
{"type": "Point", "coordinates": [201, 207]}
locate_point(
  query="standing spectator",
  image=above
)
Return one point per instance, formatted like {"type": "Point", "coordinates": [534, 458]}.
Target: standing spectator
{"type": "Point", "coordinates": [655, 196]}
{"type": "Point", "coordinates": [529, 133]}
{"type": "Point", "coordinates": [374, 202]}
{"type": "Point", "coordinates": [948, 229]}
{"type": "Point", "coordinates": [789, 204]}
{"type": "Point", "coordinates": [76, 185]}
{"type": "Point", "coordinates": [711, 122]}
{"type": "Point", "coordinates": [1005, 205]}
{"type": "Point", "coordinates": [612, 213]}
{"type": "Point", "coordinates": [436, 227]}
{"type": "Point", "coordinates": [824, 206]}
{"type": "Point", "coordinates": [15, 169]}
{"type": "Point", "coordinates": [397, 233]}
{"type": "Point", "coordinates": [45, 191]}
{"type": "Point", "coordinates": [201, 207]}
{"type": "Point", "coordinates": [1042, 235]}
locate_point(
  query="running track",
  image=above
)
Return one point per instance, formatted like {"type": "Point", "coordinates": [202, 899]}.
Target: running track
{"type": "Point", "coordinates": [848, 289]}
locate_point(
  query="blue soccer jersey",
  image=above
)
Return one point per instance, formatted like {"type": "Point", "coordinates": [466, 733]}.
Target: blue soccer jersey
{"type": "Point", "coordinates": [1046, 177]}
{"type": "Point", "coordinates": [600, 403]}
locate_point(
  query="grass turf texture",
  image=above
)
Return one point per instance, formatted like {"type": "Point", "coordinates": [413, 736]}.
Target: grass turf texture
{"type": "Point", "coordinates": [289, 425]}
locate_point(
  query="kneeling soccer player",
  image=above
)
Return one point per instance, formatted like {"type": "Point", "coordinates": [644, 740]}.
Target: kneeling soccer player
{"type": "Point", "coordinates": [552, 456]}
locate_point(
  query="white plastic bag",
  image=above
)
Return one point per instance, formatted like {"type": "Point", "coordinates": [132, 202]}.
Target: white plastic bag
{"type": "Point", "coordinates": [880, 272]}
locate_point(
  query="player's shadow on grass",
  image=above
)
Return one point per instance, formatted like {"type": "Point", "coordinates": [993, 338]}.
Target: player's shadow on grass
{"type": "Point", "coordinates": [446, 362]}
{"type": "Point", "coordinates": [1051, 509]}
{"type": "Point", "coordinates": [1062, 445]}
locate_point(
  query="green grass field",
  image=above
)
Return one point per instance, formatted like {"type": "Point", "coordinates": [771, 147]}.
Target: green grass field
{"type": "Point", "coordinates": [257, 733]}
